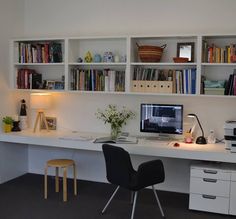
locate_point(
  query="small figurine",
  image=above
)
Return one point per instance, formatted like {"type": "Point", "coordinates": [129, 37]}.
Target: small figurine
{"type": "Point", "coordinates": [97, 58]}
{"type": "Point", "coordinates": [108, 57]}
{"type": "Point", "coordinates": [79, 60]}
{"type": "Point", "coordinates": [88, 57]}
{"type": "Point", "coordinates": [23, 116]}
{"type": "Point", "coordinates": [23, 108]}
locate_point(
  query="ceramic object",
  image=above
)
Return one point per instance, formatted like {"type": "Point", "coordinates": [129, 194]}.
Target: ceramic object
{"type": "Point", "coordinates": [7, 127]}
{"type": "Point", "coordinates": [97, 58]}
{"type": "Point", "coordinates": [79, 60]}
{"type": "Point", "coordinates": [108, 57]}
{"type": "Point", "coordinates": [88, 57]}
{"type": "Point", "coordinates": [117, 58]}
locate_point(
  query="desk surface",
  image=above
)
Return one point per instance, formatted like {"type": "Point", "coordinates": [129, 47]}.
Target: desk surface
{"type": "Point", "coordinates": [84, 141]}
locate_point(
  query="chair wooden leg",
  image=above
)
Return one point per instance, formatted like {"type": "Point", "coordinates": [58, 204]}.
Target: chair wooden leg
{"type": "Point", "coordinates": [112, 196]}
{"type": "Point", "coordinates": [57, 180]}
{"type": "Point", "coordinates": [134, 204]}
{"type": "Point", "coordinates": [45, 183]}
{"type": "Point", "coordinates": [65, 184]}
{"type": "Point", "coordinates": [75, 179]}
{"type": "Point", "coordinates": [158, 201]}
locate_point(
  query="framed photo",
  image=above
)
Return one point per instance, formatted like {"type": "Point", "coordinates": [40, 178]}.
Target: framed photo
{"type": "Point", "coordinates": [50, 85]}
{"type": "Point", "coordinates": [59, 85]}
{"type": "Point", "coordinates": [52, 123]}
{"type": "Point", "coordinates": [186, 50]}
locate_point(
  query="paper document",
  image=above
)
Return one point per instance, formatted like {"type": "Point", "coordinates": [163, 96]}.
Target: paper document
{"type": "Point", "coordinates": [119, 140]}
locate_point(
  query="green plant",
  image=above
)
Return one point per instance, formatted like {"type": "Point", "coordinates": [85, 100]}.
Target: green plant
{"type": "Point", "coordinates": [115, 118]}
{"type": "Point", "coordinates": [7, 120]}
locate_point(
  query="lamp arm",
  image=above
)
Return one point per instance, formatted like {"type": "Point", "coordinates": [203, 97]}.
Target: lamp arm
{"type": "Point", "coordinates": [200, 126]}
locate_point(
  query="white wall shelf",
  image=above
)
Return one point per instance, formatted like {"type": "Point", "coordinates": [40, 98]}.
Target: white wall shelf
{"type": "Point", "coordinates": [125, 47]}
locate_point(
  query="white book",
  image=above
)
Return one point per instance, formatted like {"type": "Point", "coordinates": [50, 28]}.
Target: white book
{"type": "Point", "coordinates": [112, 80]}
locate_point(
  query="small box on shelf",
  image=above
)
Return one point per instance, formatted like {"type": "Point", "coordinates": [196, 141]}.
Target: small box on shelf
{"type": "Point", "coordinates": [214, 91]}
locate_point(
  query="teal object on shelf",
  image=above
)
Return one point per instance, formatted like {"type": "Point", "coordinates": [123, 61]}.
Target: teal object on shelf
{"type": "Point", "coordinates": [214, 84]}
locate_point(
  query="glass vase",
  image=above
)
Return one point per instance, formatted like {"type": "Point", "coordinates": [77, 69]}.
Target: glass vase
{"type": "Point", "coordinates": [115, 131]}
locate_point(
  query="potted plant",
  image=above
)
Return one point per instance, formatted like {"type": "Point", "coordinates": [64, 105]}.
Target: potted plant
{"type": "Point", "coordinates": [7, 123]}
{"type": "Point", "coordinates": [115, 118]}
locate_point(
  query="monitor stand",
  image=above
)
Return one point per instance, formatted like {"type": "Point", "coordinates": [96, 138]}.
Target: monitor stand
{"type": "Point", "coordinates": [161, 137]}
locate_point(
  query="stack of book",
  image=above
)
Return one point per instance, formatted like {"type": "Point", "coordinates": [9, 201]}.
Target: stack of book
{"type": "Point", "coordinates": [28, 79]}
{"type": "Point", "coordinates": [230, 88]}
{"type": "Point", "coordinates": [45, 52]}
{"type": "Point", "coordinates": [173, 81]}
{"type": "Point", "coordinates": [97, 80]}
{"type": "Point", "coordinates": [215, 54]}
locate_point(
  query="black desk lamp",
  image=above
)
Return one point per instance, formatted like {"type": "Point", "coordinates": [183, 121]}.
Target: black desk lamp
{"type": "Point", "coordinates": [200, 139]}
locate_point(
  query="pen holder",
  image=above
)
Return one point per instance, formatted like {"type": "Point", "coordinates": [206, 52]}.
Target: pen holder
{"type": "Point", "coordinates": [188, 138]}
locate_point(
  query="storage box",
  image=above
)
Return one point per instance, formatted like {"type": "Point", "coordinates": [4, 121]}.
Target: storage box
{"type": "Point", "coordinates": [214, 91]}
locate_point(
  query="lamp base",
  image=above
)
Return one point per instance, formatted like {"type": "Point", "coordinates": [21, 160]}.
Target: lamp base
{"type": "Point", "coordinates": [201, 140]}
{"type": "Point", "coordinates": [40, 119]}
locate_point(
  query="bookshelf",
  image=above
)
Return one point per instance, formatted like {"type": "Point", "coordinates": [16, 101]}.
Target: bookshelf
{"type": "Point", "coordinates": [219, 62]}
{"type": "Point", "coordinates": [115, 70]}
{"type": "Point", "coordinates": [38, 64]}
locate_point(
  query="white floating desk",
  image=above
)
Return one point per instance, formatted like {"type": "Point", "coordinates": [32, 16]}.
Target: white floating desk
{"type": "Point", "coordinates": [84, 141]}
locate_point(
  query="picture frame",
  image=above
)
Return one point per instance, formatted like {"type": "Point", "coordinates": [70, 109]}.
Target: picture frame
{"type": "Point", "coordinates": [50, 85]}
{"type": "Point", "coordinates": [186, 50]}
{"type": "Point", "coordinates": [52, 123]}
{"type": "Point", "coordinates": [59, 85]}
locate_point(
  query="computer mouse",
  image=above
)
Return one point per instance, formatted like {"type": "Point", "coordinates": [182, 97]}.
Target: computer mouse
{"type": "Point", "coordinates": [176, 144]}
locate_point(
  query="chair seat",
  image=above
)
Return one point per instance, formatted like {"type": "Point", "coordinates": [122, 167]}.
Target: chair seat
{"type": "Point", "coordinates": [60, 162]}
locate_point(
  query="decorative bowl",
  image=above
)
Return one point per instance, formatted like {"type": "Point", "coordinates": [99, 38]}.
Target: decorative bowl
{"type": "Point", "coordinates": [180, 59]}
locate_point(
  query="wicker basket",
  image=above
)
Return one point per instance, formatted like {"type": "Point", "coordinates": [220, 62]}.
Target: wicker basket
{"type": "Point", "coordinates": [150, 53]}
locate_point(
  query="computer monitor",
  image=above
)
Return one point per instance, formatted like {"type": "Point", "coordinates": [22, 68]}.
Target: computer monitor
{"type": "Point", "coordinates": [161, 118]}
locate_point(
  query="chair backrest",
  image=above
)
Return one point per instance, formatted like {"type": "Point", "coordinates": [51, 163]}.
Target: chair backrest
{"type": "Point", "coordinates": [118, 165]}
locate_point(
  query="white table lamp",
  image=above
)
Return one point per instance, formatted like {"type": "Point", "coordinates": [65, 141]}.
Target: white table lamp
{"type": "Point", "coordinates": [40, 102]}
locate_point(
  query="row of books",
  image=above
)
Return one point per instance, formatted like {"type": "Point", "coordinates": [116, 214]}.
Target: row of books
{"type": "Point", "coordinates": [28, 79]}
{"type": "Point", "coordinates": [97, 80]}
{"type": "Point", "coordinates": [184, 81]}
{"type": "Point", "coordinates": [215, 54]}
{"type": "Point", "coordinates": [47, 52]}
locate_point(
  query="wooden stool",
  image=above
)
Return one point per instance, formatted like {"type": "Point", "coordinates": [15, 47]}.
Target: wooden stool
{"type": "Point", "coordinates": [62, 163]}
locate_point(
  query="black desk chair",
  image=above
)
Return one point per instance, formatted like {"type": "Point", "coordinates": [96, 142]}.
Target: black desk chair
{"type": "Point", "coordinates": [120, 172]}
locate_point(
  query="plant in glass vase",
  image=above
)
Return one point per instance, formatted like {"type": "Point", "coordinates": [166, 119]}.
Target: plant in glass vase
{"type": "Point", "coordinates": [115, 118]}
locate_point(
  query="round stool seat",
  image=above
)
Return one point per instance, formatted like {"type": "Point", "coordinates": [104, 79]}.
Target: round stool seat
{"type": "Point", "coordinates": [63, 164]}
{"type": "Point", "coordinates": [60, 162]}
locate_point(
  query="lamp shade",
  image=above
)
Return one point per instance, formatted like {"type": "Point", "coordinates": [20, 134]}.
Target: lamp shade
{"type": "Point", "coordinates": [40, 101]}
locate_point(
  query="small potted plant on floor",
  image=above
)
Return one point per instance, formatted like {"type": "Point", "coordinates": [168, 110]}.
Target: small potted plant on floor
{"type": "Point", "coordinates": [7, 123]}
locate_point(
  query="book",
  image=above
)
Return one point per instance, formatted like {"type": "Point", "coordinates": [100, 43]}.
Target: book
{"type": "Point", "coordinates": [120, 140]}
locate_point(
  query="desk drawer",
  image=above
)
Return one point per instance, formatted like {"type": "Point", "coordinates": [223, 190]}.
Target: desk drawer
{"type": "Point", "coordinates": [209, 186]}
{"type": "Point", "coordinates": [233, 176]}
{"type": "Point", "coordinates": [210, 173]}
{"type": "Point", "coordinates": [209, 203]}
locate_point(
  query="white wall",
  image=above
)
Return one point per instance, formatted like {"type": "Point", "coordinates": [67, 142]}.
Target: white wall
{"type": "Point", "coordinates": [71, 17]}
{"type": "Point", "coordinates": [11, 25]}
{"type": "Point", "coordinates": [112, 17]}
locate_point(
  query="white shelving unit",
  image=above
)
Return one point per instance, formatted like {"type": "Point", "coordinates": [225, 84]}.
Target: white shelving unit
{"type": "Point", "coordinates": [50, 70]}
{"type": "Point", "coordinates": [126, 48]}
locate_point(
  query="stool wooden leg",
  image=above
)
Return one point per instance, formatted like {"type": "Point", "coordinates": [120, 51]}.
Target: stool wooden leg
{"type": "Point", "coordinates": [75, 179]}
{"type": "Point", "coordinates": [64, 184]}
{"type": "Point", "coordinates": [45, 183]}
{"type": "Point", "coordinates": [57, 180]}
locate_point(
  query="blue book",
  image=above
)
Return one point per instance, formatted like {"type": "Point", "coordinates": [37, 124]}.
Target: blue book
{"type": "Point", "coordinates": [193, 80]}
{"type": "Point", "coordinates": [186, 81]}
